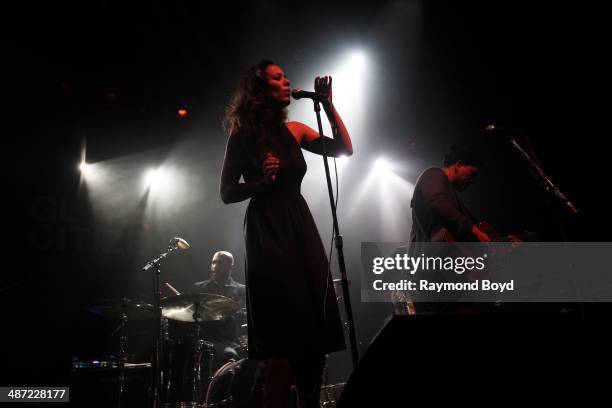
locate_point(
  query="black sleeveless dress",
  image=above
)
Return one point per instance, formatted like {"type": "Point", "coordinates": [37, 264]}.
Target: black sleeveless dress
{"type": "Point", "coordinates": [291, 303]}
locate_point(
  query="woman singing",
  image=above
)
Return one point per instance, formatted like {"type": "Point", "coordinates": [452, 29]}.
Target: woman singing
{"type": "Point", "coordinates": [293, 317]}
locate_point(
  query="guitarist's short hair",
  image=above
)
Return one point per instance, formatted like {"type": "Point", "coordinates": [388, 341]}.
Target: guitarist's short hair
{"type": "Point", "coordinates": [466, 153]}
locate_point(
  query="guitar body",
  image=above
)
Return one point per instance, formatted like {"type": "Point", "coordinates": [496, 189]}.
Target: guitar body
{"type": "Point", "coordinates": [444, 235]}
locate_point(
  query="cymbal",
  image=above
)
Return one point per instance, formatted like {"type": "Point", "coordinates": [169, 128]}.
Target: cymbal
{"type": "Point", "coordinates": [211, 307]}
{"type": "Point", "coordinates": [133, 309]}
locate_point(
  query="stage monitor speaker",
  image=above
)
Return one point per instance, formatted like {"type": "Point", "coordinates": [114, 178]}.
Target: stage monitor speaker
{"type": "Point", "coordinates": [434, 358]}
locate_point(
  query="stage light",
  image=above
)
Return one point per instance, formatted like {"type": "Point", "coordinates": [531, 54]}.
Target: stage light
{"type": "Point", "coordinates": [382, 167]}
{"type": "Point", "coordinates": [149, 177]}
{"type": "Point", "coordinates": [384, 195]}
{"type": "Point", "coordinates": [357, 59]}
{"type": "Point", "coordinates": [350, 82]}
{"type": "Point", "coordinates": [85, 168]}
{"type": "Point", "coordinates": [128, 187]}
{"type": "Point", "coordinates": [90, 172]}
{"type": "Point", "coordinates": [156, 178]}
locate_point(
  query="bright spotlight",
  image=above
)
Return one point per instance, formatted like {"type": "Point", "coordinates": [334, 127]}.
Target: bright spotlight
{"type": "Point", "coordinates": [149, 177]}
{"type": "Point", "coordinates": [166, 189]}
{"type": "Point", "coordinates": [357, 59]}
{"type": "Point", "coordinates": [86, 169]}
{"type": "Point", "coordinates": [154, 178]}
{"type": "Point", "coordinates": [382, 166]}
{"type": "Point", "coordinates": [93, 174]}
{"type": "Point", "coordinates": [385, 190]}
{"type": "Point", "coordinates": [350, 87]}
{"type": "Point", "coordinates": [157, 180]}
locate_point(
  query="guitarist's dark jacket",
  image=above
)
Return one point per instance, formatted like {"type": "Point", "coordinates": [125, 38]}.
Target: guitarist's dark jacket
{"type": "Point", "coordinates": [435, 205]}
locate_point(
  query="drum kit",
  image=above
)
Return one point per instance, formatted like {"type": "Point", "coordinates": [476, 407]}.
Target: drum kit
{"type": "Point", "coordinates": [195, 374]}
{"type": "Point", "coordinates": [184, 361]}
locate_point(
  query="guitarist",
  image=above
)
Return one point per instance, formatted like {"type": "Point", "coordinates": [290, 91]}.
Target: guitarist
{"type": "Point", "coordinates": [435, 203]}
{"type": "Point", "coordinates": [436, 209]}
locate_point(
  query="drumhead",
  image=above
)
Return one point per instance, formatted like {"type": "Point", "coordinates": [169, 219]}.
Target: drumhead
{"type": "Point", "coordinates": [237, 384]}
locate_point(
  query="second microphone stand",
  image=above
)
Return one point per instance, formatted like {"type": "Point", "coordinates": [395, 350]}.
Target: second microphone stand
{"type": "Point", "coordinates": [159, 335]}
{"type": "Point", "coordinates": [546, 182]}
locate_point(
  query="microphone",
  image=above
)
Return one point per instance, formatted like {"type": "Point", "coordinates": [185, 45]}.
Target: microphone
{"type": "Point", "coordinates": [297, 93]}
{"type": "Point", "coordinates": [273, 175]}
{"type": "Point", "coordinates": [180, 243]}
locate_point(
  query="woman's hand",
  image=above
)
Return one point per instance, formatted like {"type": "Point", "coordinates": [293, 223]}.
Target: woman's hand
{"type": "Point", "coordinates": [270, 167]}
{"type": "Point", "coordinates": [323, 86]}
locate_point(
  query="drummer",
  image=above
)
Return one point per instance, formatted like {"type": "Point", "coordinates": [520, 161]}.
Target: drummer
{"type": "Point", "coordinates": [221, 282]}
{"type": "Point", "coordinates": [223, 334]}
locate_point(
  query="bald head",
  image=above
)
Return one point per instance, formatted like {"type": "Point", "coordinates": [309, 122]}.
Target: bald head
{"type": "Point", "coordinates": [222, 265]}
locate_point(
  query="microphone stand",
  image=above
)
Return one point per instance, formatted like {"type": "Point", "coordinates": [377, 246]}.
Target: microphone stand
{"type": "Point", "coordinates": [158, 372]}
{"type": "Point", "coordinates": [549, 186]}
{"type": "Point", "coordinates": [338, 241]}
{"type": "Point", "coordinates": [546, 182]}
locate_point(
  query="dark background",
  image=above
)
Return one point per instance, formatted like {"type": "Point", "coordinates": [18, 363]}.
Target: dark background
{"type": "Point", "coordinates": [113, 74]}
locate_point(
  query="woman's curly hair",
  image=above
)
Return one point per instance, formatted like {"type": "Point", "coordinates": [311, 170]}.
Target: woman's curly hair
{"type": "Point", "coordinates": [250, 108]}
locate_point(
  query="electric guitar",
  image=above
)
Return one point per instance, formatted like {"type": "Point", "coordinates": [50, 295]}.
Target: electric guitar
{"type": "Point", "coordinates": [444, 235]}
{"type": "Point", "coordinates": [496, 253]}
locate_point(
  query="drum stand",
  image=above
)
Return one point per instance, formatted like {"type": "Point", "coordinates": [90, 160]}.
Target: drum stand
{"type": "Point", "coordinates": [196, 383]}
{"type": "Point", "coordinates": [123, 352]}
{"type": "Point", "coordinates": [123, 341]}
{"type": "Point", "coordinates": [200, 345]}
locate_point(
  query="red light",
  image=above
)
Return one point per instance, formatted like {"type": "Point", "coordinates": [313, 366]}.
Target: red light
{"type": "Point", "coordinates": [182, 113]}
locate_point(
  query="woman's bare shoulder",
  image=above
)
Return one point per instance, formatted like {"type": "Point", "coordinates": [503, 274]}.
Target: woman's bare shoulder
{"type": "Point", "coordinates": [300, 131]}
